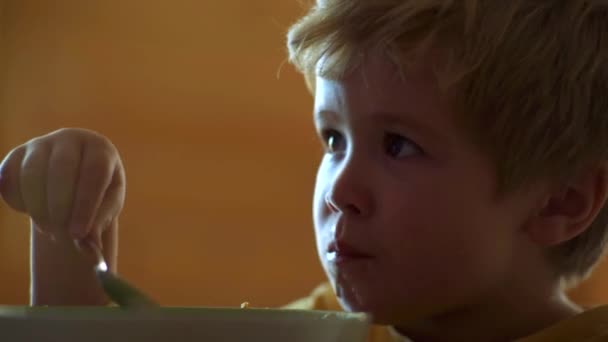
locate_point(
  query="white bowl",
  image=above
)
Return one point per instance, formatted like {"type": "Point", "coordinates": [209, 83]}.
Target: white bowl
{"type": "Point", "coordinates": [183, 324]}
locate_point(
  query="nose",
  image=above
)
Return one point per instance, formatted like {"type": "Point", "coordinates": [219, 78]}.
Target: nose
{"type": "Point", "coordinates": [350, 191]}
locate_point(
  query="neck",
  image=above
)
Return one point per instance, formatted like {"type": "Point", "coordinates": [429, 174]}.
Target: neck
{"type": "Point", "coordinates": [504, 318]}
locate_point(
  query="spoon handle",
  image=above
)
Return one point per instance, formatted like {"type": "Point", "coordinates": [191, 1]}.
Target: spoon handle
{"type": "Point", "coordinates": [123, 293]}
{"type": "Point", "coordinates": [117, 289]}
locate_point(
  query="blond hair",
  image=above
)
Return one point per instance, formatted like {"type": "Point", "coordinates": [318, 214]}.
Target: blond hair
{"type": "Point", "coordinates": [531, 78]}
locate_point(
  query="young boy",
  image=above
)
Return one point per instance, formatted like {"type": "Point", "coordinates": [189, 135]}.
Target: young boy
{"type": "Point", "coordinates": [464, 183]}
{"type": "Point", "coordinates": [465, 180]}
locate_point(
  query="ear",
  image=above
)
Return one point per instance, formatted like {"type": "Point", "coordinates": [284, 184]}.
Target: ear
{"type": "Point", "coordinates": [567, 212]}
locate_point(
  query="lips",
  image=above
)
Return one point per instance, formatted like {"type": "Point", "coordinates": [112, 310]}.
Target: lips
{"type": "Point", "coordinates": [340, 251]}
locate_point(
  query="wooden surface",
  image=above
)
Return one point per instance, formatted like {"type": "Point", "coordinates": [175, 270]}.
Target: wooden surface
{"type": "Point", "coordinates": [220, 152]}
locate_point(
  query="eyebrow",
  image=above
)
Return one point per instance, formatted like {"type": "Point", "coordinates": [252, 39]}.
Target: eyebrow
{"type": "Point", "coordinates": [402, 119]}
{"type": "Point", "coordinates": [324, 115]}
{"type": "Point", "coordinates": [394, 119]}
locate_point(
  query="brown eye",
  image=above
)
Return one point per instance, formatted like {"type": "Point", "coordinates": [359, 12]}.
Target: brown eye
{"type": "Point", "coordinates": [398, 146]}
{"type": "Point", "coordinates": [334, 141]}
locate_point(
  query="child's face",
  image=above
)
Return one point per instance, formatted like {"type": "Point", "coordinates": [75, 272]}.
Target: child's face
{"type": "Point", "coordinates": [410, 203]}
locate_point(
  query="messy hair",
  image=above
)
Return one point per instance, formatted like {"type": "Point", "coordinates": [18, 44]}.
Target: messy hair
{"type": "Point", "coordinates": [530, 80]}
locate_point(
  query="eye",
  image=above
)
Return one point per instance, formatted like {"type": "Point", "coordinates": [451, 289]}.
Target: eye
{"type": "Point", "coordinates": [333, 140]}
{"type": "Point", "coordinates": [398, 146]}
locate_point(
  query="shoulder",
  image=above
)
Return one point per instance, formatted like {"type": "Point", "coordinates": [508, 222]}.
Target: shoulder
{"type": "Point", "coordinates": [590, 325]}
{"type": "Point", "coordinates": [321, 298]}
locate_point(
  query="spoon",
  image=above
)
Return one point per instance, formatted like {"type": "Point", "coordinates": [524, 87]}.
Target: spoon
{"type": "Point", "coordinates": [116, 288]}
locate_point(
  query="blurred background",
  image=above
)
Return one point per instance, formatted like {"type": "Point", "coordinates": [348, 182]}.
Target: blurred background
{"type": "Point", "coordinates": [214, 130]}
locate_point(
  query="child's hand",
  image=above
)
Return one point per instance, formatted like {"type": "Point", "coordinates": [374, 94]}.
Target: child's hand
{"type": "Point", "coordinates": [72, 184]}
{"type": "Point", "coordinates": [69, 181]}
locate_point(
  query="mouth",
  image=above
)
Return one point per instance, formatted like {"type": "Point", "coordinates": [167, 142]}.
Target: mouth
{"type": "Point", "coordinates": [341, 252]}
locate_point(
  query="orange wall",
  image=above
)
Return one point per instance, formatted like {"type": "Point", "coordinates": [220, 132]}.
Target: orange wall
{"type": "Point", "coordinates": [220, 152]}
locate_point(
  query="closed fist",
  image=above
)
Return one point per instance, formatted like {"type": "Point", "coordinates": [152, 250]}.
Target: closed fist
{"type": "Point", "coordinates": [70, 182]}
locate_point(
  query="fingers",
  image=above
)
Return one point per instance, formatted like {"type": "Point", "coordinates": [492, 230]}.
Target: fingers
{"type": "Point", "coordinates": [110, 207]}
{"type": "Point", "coordinates": [94, 177]}
{"type": "Point", "coordinates": [69, 181]}
{"type": "Point", "coordinates": [63, 169]}
{"type": "Point", "coordinates": [106, 242]}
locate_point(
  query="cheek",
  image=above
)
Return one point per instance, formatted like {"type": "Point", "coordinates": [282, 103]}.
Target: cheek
{"type": "Point", "coordinates": [320, 210]}
{"type": "Point", "coordinates": [321, 185]}
{"type": "Point", "coordinates": [433, 218]}
{"type": "Point", "coordinates": [430, 232]}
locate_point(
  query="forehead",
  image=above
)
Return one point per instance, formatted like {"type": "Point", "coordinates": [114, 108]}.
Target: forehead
{"type": "Point", "coordinates": [377, 85]}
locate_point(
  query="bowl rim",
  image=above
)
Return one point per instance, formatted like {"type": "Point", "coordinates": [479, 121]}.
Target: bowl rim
{"type": "Point", "coordinates": [177, 313]}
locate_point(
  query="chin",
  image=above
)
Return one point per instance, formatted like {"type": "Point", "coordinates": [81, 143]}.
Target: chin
{"type": "Point", "coordinates": [382, 310]}
{"type": "Point", "coordinates": [378, 315]}
{"type": "Point", "coordinates": [352, 300]}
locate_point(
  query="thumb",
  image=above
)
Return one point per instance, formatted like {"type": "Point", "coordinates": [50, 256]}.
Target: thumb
{"type": "Point", "coordinates": [10, 173]}
{"type": "Point", "coordinates": [42, 230]}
